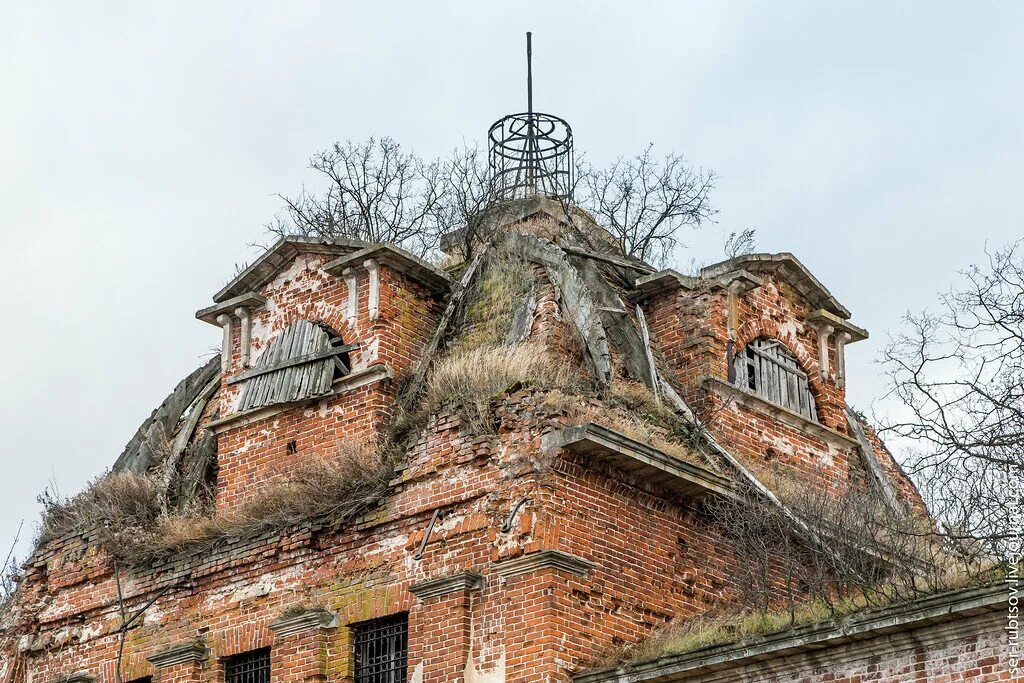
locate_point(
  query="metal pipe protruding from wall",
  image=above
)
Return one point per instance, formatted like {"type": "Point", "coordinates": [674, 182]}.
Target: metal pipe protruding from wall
{"type": "Point", "coordinates": [426, 536]}
{"type": "Point", "coordinates": [507, 525]}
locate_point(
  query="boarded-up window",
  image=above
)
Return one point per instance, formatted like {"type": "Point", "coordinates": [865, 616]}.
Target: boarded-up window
{"type": "Point", "coordinates": [767, 368]}
{"type": "Point", "coordinates": [300, 363]}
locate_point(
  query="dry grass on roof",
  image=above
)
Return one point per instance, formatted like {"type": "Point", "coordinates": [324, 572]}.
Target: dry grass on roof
{"type": "Point", "coordinates": [125, 508]}
{"type": "Point", "coordinates": [336, 489]}
{"type": "Point", "coordinates": [119, 500]}
{"type": "Point", "coordinates": [470, 379]}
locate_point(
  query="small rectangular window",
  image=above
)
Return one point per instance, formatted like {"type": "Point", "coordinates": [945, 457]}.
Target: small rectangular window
{"type": "Point", "coordinates": [248, 667]}
{"type": "Point", "coordinates": [381, 650]}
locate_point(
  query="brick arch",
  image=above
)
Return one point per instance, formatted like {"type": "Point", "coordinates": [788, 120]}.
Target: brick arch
{"type": "Point", "coordinates": [752, 330]}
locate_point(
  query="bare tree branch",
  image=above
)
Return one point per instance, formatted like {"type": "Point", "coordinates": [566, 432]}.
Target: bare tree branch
{"type": "Point", "coordinates": [645, 202]}
{"type": "Point", "coordinates": [957, 377]}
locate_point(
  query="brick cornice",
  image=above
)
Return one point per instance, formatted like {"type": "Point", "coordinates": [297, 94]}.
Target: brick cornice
{"type": "Point", "coordinates": [432, 588]}
{"type": "Point", "coordinates": [306, 621]}
{"type": "Point", "coordinates": [928, 612]}
{"type": "Point", "coordinates": [180, 654]}
{"type": "Point", "coordinates": [544, 559]}
{"type": "Point", "coordinates": [635, 457]}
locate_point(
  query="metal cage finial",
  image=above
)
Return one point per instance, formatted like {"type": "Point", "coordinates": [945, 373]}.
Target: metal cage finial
{"type": "Point", "coordinates": [531, 153]}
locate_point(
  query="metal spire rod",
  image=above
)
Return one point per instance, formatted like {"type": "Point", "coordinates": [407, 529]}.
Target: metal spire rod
{"type": "Point", "coordinates": [529, 71]}
{"type": "Point", "coordinates": [531, 133]}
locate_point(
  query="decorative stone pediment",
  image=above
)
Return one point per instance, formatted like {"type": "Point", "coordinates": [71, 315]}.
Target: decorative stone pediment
{"type": "Point", "coordinates": [183, 653]}
{"type": "Point", "coordinates": [432, 588]}
{"type": "Point", "coordinates": [544, 559]}
{"type": "Point", "coordinates": [312, 620]}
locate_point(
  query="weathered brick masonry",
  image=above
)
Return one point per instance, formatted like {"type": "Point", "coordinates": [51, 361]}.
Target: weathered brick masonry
{"type": "Point", "coordinates": [526, 554]}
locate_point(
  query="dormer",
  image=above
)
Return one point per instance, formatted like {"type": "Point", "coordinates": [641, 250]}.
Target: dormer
{"type": "Point", "coordinates": [759, 335]}
{"type": "Point", "coordinates": [315, 335]}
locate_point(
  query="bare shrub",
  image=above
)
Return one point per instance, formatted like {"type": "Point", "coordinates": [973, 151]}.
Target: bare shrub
{"type": "Point", "coordinates": [644, 201]}
{"type": "Point", "coordinates": [339, 488]}
{"type": "Point", "coordinates": [115, 504]}
{"type": "Point", "coordinates": [10, 572]}
{"type": "Point", "coordinates": [874, 554]}
{"type": "Point", "coordinates": [374, 191]}
{"type": "Point", "coordinates": [470, 379]}
{"type": "Point", "coordinates": [740, 243]}
{"type": "Point", "coordinates": [739, 623]}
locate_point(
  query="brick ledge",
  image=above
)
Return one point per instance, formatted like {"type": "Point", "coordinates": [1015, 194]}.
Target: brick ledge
{"type": "Point", "coordinates": [927, 611]}
{"type": "Point", "coordinates": [635, 457]}
{"type": "Point", "coordinates": [312, 620]}
{"type": "Point", "coordinates": [784, 415]}
{"type": "Point", "coordinates": [180, 654]}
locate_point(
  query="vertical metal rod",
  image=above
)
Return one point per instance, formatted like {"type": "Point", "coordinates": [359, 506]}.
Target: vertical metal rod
{"type": "Point", "coordinates": [531, 172]}
{"type": "Point", "coordinates": [529, 72]}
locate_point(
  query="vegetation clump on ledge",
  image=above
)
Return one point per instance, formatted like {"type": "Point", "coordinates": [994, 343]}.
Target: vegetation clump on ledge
{"type": "Point", "coordinates": [733, 626]}
{"type": "Point", "coordinates": [123, 508]}
{"type": "Point", "coordinates": [470, 379]}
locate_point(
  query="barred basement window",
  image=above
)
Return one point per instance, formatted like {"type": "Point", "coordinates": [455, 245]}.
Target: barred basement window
{"type": "Point", "coordinates": [248, 667]}
{"type": "Point", "coordinates": [381, 650]}
{"type": "Point", "coordinates": [767, 368]}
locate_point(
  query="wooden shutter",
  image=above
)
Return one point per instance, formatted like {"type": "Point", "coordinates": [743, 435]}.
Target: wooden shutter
{"type": "Point", "coordinates": [768, 369]}
{"type": "Point", "coordinates": [299, 364]}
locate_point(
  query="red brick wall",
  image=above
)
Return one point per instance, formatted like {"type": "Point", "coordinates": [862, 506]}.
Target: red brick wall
{"type": "Point", "coordinates": [254, 454]}
{"type": "Point", "coordinates": [656, 556]}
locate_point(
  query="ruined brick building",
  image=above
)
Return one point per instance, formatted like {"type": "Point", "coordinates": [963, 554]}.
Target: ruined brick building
{"type": "Point", "coordinates": [528, 536]}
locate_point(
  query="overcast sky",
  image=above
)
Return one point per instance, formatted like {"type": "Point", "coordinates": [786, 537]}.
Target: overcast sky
{"type": "Point", "coordinates": [141, 145]}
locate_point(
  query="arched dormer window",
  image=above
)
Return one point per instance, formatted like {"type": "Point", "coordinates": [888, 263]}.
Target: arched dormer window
{"type": "Point", "coordinates": [767, 368]}
{"type": "Point", "coordinates": [301, 363]}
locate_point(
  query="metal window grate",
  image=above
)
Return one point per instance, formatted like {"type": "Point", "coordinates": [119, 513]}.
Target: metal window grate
{"type": "Point", "coordinates": [248, 667]}
{"type": "Point", "coordinates": [382, 650]}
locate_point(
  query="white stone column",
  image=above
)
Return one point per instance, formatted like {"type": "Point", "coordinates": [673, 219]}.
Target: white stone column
{"type": "Point", "coordinates": [351, 313]}
{"type": "Point", "coordinates": [824, 331]}
{"type": "Point", "coordinates": [246, 340]}
{"type": "Point", "coordinates": [373, 268]}
{"type": "Point", "coordinates": [841, 340]}
{"type": "Point", "coordinates": [225, 348]}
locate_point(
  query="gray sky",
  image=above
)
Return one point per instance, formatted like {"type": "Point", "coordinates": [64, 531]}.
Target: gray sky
{"type": "Point", "coordinates": [142, 145]}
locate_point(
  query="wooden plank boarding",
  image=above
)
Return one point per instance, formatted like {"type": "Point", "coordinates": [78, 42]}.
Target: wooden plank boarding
{"type": "Point", "coordinates": [300, 363]}
{"type": "Point", "coordinates": [768, 369]}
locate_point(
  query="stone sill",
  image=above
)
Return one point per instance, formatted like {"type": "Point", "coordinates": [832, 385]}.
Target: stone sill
{"type": "Point", "coordinates": [342, 385]}
{"type": "Point", "coordinates": [935, 609]}
{"type": "Point", "coordinates": [787, 417]}
{"type": "Point", "coordinates": [638, 458]}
